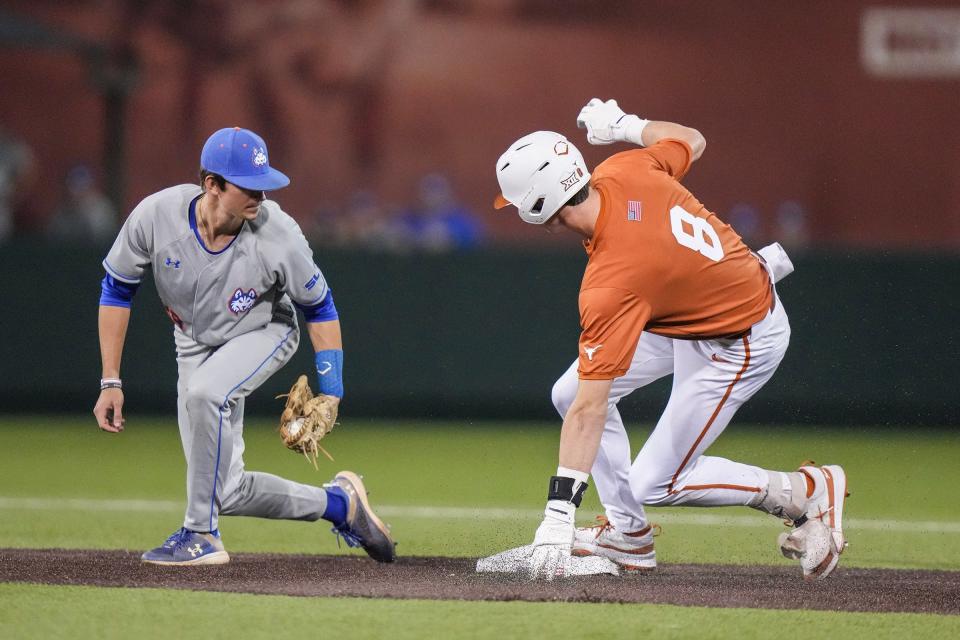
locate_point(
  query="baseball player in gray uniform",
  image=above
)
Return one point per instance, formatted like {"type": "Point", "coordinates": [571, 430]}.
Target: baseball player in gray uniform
{"type": "Point", "coordinates": [231, 268]}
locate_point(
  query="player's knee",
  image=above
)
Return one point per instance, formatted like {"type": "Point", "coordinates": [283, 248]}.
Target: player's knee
{"type": "Point", "coordinates": [649, 486]}
{"type": "Point", "coordinates": [564, 391]}
{"type": "Point", "coordinates": [199, 395]}
{"type": "Point", "coordinates": [235, 496]}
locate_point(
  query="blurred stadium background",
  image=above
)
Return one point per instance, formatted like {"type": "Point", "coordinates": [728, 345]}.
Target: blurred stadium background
{"type": "Point", "coordinates": [831, 127]}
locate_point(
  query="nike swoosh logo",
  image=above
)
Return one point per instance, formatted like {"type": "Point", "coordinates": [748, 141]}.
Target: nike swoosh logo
{"type": "Point", "coordinates": [326, 369]}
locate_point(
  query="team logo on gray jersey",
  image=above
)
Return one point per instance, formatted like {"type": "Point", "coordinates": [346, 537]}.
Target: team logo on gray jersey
{"type": "Point", "coordinates": [241, 302]}
{"type": "Point", "coordinates": [312, 282]}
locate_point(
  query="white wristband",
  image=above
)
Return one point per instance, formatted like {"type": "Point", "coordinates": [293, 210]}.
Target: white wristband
{"type": "Point", "coordinates": [633, 131]}
{"type": "Point", "coordinates": [110, 383]}
{"type": "Point", "coordinates": [579, 476]}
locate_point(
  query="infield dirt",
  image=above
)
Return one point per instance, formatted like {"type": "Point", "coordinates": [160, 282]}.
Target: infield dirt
{"type": "Point", "coordinates": [878, 590]}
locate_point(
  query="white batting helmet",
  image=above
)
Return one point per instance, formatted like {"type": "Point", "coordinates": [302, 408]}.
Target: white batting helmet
{"type": "Point", "coordinates": [538, 174]}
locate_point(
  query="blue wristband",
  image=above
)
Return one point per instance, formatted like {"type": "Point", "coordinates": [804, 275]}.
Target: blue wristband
{"type": "Point", "coordinates": [330, 372]}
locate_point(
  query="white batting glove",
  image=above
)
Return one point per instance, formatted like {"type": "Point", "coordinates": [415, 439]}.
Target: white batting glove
{"type": "Point", "coordinates": [607, 123]}
{"type": "Point", "coordinates": [551, 547]}
{"type": "Point", "coordinates": [548, 562]}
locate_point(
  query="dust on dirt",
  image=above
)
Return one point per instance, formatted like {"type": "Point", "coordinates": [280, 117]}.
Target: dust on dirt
{"type": "Point", "coordinates": [847, 589]}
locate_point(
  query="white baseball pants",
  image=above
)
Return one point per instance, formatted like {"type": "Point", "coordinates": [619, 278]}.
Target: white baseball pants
{"type": "Point", "coordinates": [711, 379]}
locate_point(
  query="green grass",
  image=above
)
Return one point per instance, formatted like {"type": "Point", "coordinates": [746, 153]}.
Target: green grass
{"type": "Point", "coordinates": [897, 477]}
{"type": "Point", "coordinates": [32, 611]}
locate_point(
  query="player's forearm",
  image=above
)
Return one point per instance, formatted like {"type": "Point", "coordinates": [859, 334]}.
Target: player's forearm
{"type": "Point", "coordinates": [328, 356]}
{"type": "Point", "coordinates": [583, 425]}
{"type": "Point", "coordinates": [325, 335]}
{"type": "Point", "coordinates": [657, 130]}
{"type": "Point", "coordinates": [580, 439]}
{"type": "Point", "coordinates": [112, 325]}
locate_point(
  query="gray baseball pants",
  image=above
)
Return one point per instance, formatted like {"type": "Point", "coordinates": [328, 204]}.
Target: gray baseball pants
{"type": "Point", "coordinates": [213, 384]}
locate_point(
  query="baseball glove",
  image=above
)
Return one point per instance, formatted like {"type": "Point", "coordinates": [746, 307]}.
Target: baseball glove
{"type": "Point", "coordinates": [307, 419]}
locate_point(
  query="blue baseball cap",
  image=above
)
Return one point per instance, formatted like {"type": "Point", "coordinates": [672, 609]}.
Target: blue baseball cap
{"type": "Point", "coordinates": [240, 156]}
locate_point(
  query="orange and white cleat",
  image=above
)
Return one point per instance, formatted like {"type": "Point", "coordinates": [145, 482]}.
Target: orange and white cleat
{"type": "Point", "coordinates": [817, 539]}
{"type": "Point", "coordinates": [632, 551]}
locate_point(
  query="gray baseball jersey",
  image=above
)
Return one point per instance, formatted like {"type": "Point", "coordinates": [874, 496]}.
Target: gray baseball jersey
{"type": "Point", "coordinates": [216, 296]}
{"type": "Point", "coordinates": [237, 327]}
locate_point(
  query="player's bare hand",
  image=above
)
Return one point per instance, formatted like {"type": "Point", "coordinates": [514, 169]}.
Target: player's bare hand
{"type": "Point", "coordinates": [109, 410]}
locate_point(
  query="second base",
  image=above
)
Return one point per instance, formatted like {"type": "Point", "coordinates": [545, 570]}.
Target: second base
{"type": "Point", "coordinates": [517, 561]}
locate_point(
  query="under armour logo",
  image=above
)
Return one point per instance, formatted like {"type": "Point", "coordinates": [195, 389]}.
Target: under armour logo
{"type": "Point", "coordinates": [591, 350]}
{"type": "Point", "coordinates": [326, 369]}
{"type": "Point", "coordinates": [172, 263]}
{"type": "Point", "coordinates": [194, 550]}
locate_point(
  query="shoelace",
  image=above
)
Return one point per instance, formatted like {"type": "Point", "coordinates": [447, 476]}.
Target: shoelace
{"type": "Point", "coordinates": [604, 524]}
{"type": "Point", "coordinates": [178, 538]}
{"type": "Point", "coordinates": [820, 514]}
{"type": "Point", "coordinates": [344, 531]}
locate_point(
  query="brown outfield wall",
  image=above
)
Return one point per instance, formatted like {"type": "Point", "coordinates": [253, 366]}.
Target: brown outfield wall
{"type": "Point", "coordinates": [780, 587]}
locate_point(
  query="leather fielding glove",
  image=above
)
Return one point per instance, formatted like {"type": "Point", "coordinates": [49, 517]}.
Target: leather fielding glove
{"type": "Point", "coordinates": [607, 123]}
{"type": "Point", "coordinates": [306, 419]}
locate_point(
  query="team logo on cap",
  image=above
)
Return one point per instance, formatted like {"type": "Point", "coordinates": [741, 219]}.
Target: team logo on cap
{"type": "Point", "coordinates": [561, 148]}
{"type": "Point", "coordinates": [241, 302]}
{"type": "Point", "coordinates": [259, 157]}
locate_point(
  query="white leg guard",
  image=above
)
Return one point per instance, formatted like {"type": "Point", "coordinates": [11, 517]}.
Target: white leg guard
{"type": "Point", "coordinates": [785, 497]}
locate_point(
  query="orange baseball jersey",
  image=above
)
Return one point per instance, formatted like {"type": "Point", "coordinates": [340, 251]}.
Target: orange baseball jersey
{"type": "Point", "coordinates": [660, 262]}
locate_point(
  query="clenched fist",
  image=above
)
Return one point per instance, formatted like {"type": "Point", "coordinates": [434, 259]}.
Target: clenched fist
{"type": "Point", "coordinates": [607, 123]}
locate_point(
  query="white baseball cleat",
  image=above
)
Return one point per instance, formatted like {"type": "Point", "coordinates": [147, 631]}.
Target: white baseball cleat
{"type": "Point", "coordinates": [551, 562]}
{"type": "Point", "coordinates": [632, 551]}
{"type": "Point", "coordinates": [817, 541]}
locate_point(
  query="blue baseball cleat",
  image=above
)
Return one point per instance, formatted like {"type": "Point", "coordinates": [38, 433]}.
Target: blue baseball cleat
{"type": "Point", "coordinates": [362, 528]}
{"type": "Point", "coordinates": [185, 548]}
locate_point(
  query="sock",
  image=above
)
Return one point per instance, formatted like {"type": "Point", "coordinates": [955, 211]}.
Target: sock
{"type": "Point", "coordinates": [579, 476]}
{"type": "Point", "coordinates": [336, 511]}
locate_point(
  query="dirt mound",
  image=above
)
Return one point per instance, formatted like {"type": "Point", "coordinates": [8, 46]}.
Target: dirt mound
{"type": "Point", "coordinates": [454, 579]}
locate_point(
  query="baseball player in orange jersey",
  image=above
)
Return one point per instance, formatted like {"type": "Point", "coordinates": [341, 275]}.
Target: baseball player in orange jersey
{"type": "Point", "coordinates": [668, 288]}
